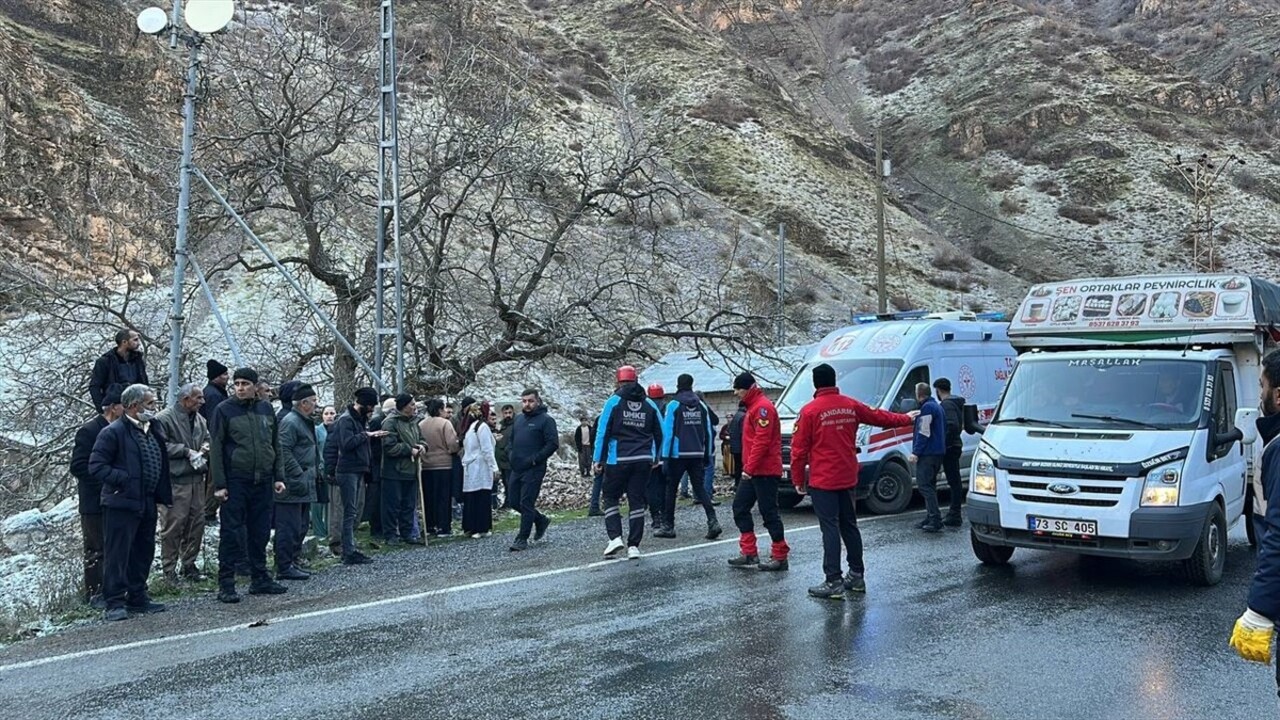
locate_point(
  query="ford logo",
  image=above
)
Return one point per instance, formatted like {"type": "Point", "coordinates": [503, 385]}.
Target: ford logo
{"type": "Point", "coordinates": [1061, 488]}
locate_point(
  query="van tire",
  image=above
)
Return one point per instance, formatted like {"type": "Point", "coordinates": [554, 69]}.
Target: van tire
{"type": "Point", "coordinates": [989, 554]}
{"type": "Point", "coordinates": [787, 501]}
{"type": "Point", "coordinates": [1205, 566]}
{"type": "Point", "coordinates": [891, 492]}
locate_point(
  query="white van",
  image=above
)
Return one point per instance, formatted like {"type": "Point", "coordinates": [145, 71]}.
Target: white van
{"type": "Point", "coordinates": [879, 361]}
{"type": "Point", "coordinates": [1123, 430]}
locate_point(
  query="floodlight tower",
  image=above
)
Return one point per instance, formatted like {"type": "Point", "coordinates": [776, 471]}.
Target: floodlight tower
{"type": "Point", "coordinates": [201, 17]}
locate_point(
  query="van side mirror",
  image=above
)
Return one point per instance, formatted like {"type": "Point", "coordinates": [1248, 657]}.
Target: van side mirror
{"type": "Point", "coordinates": [1224, 441]}
{"type": "Point", "coordinates": [1247, 424]}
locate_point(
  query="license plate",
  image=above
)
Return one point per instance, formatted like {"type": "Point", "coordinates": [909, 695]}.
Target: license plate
{"type": "Point", "coordinates": [1059, 527]}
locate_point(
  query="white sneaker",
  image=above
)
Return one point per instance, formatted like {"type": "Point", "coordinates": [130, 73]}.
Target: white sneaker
{"type": "Point", "coordinates": [613, 547]}
{"type": "Point", "coordinates": [633, 553]}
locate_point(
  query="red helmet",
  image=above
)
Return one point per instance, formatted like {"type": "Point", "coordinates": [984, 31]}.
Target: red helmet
{"type": "Point", "coordinates": [656, 392]}
{"type": "Point", "coordinates": [626, 373]}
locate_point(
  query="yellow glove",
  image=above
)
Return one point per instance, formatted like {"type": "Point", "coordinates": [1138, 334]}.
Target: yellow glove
{"type": "Point", "coordinates": [1251, 638]}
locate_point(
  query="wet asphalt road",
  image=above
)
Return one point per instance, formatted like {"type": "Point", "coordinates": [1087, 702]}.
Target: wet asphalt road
{"type": "Point", "coordinates": [674, 635]}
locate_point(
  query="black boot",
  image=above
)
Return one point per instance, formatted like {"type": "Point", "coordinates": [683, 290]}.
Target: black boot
{"type": "Point", "coordinates": [744, 561]}
{"type": "Point", "coordinates": [713, 529]}
{"type": "Point", "coordinates": [829, 590]}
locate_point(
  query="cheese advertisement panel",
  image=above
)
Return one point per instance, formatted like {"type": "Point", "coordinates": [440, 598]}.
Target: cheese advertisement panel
{"type": "Point", "coordinates": [1201, 303]}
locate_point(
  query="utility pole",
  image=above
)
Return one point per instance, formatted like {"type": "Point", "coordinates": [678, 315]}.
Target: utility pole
{"type": "Point", "coordinates": [1200, 175]}
{"type": "Point", "coordinates": [388, 206]}
{"type": "Point", "coordinates": [780, 335]}
{"type": "Point", "coordinates": [882, 299]}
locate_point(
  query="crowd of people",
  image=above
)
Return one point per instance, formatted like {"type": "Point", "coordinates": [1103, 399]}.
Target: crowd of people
{"type": "Point", "coordinates": [223, 455]}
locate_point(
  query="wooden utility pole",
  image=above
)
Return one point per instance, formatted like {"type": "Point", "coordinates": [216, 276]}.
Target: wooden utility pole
{"type": "Point", "coordinates": [881, 294]}
{"type": "Point", "coordinates": [780, 335]}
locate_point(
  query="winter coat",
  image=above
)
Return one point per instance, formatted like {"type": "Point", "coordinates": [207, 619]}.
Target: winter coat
{"type": "Point", "coordinates": [213, 397]}
{"type": "Point", "coordinates": [245, 443]}
{"type": "Point", "coordinates": [398, 462]}
{"type": "Point", "coordinates": [583, 439]}
{"type": "Point", "coordinates": [761, 436]}
{"type": "Point", "coordinates": [959, 420]}
{"type": "Point", "coordinates": [534, 439]}
{"type": "Point", "coordinates": [686, 428]}
{"type": "Point", "coordinates": [731, 433]}
{"type": "Point", "coordinates": [826, 439]}
{"type": "Point", "coordinates": [183, 436]}
{"type": "Point", "coordinates": [930, 430]}
{"type": "Point", "coordinates": [1264, 591]}
{"type": "Point", "coordinates": [502, 447]}
{"type": "Point", "coordinates": [88, 488]}
{"type": "Point", "coordinates": [301, 456]}
{"type": "Point", "coordinates": [441, 441]}
{"type": "Point", "coordinates": [630, 428]}
{"type": "Point", "coordinates": [111, 369]}
{"type": "Point", "coordinates": [478, 461]}
{"type": "Point", "coordinates": [351, 443]}
{"type": "Point", "coordinates": [116, 462]}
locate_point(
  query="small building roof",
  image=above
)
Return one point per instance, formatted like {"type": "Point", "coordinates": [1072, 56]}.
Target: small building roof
{"type": "Point", "coordinates": [715, 371]}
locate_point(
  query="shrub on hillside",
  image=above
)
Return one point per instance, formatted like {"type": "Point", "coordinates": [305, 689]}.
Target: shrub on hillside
{"type": "Point", "coordinates": [949, 257]}
{"type": "Point", "coordinates": [891, 67]}
{"type": "Point", "coordinates": [1084, 215]}
{"type": "Point", "coordinates": [722, 110]}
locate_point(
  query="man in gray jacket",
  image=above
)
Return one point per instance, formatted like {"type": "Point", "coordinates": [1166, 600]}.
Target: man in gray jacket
{"type": "Point", "coordinates": [301, 457]}
{"type": "Point", "coordinates": [182, 525]}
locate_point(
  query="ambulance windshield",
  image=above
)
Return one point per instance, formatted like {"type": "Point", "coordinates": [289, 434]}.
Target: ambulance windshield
{"type": "Point", "coordinates": [1105, 392]}
{"type": "Point", "coordinates": [865, 380]}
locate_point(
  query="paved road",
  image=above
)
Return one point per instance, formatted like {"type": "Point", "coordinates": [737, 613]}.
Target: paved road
{"type": "Point", "coordinates": [471, 631]}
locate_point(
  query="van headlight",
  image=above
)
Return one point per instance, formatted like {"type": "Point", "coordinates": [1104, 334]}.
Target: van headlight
{"type": "Point", "coordinates": [1160, 489]}
{"type": "Point", "coordinates": [984, 473]}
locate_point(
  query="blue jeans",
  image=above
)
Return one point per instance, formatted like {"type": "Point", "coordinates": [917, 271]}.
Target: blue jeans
{"type": "Point", "coordinates": [927, 467]}
{"type": "Point", "coordinates": [349, 486]}
{"type": "Point", "coordinates": [597, 484]}
{"type": "Point", "coordinates": [709, 484]}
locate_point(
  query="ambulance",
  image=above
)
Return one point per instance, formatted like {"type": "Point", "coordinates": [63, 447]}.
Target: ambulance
{"type": "Point", "coordinates": [879, 360]}
{"type": "Point", "coordinates": [1127, 429]}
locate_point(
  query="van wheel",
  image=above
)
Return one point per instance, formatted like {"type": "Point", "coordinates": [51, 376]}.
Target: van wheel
{"type": "Point", "coordinates": [891, 492]}
{"type": "Point", "coordinates": [786, 501]}
{"type": "Point", "coordinates": [1205, 565]}
{"type": "Point", "coordinates": [989, 554]}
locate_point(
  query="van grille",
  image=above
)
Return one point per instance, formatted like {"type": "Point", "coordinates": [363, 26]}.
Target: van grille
{"type": "Point", "coordinates": [1066, 500]}
{"type": "Point", "coordinates": [1100, 489]}
{"type": "Point", "coordinates": [1077, 435]}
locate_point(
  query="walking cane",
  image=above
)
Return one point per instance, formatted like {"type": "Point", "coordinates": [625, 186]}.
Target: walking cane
{"type": "Point", "coordinates": [422, 506]}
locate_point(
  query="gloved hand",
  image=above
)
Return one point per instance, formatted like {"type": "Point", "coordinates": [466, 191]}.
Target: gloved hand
{"type": "Point", "coordinates": [1251, 638]}
{"type": "Point", "coordinates": [197, 460]}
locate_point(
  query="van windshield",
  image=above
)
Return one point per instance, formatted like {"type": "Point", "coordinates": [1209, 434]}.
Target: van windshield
{"type": "Point", "coordinates": [865, 380]}
{"type": "Point", "coordinates": [1105, 392]}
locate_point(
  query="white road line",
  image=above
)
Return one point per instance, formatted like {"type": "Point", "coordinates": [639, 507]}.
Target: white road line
{"type": "Point", "coordinates": [387, 601]}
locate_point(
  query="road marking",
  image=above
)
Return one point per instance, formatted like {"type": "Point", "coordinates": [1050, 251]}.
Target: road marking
{"type": "Point", "coordinates": [390, 601]}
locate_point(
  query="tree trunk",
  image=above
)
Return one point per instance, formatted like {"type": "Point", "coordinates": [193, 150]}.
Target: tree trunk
{"type": "Point", "coordinates": [344, 366]}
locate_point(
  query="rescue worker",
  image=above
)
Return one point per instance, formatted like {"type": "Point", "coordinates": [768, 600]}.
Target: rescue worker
{"type": "Point", "coordinates": [824, 464]}
{"type": "Point", "coordinates": [656, 490]}
{"type": "Point", "coordinates": [1255, 629]}
{"type": "Point", "coordinates": [627, 447]}
{"type": "Point", "coordinates": [761, 473]}
{"type": "Point", "coordinates": [687, 449]}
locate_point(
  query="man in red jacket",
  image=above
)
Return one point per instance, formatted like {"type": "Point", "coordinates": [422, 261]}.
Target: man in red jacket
{"type": "Point", "coordinates": [761, 473]}
{"type": "Point", "coordinates": [824, 448]}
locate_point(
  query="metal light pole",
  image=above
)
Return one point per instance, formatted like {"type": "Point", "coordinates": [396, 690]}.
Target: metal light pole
{"type": "Point", "coordinates": [184, 199]}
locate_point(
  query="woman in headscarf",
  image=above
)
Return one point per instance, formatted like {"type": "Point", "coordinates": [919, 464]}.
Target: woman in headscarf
{"type": "Point", "coordinates": [480, 467]}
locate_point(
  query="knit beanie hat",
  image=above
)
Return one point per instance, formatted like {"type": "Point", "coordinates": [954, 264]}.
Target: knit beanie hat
{"type": "Point", "coordinates": [112, 397]}
{"type": "Point", "coordinates": [824, 376]}
{"type": "Point", "coordinates": [303, 392]}
{"type": "Point", "coordinates": [684, 382]}
{"type": "Point", "coordinates": [246, 374]}
{"type": "Point", "coordinates": [744, 381]}
{"type": "Point", "coordinates": [367, 397]}
{"type": "Point", "coordinates": [403, 400]}
{"type": "Point", "coordinates": [215, 369]}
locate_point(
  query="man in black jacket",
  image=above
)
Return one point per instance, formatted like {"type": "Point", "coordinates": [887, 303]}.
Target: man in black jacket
{"type": "Point", "coordinates": [123, 365]}
{"type": "Point", "coordinates": [351, 440]}
{"type": "Point", "coordinates": [953, 411]}
{"type": "Point", "coordinates": [214, 393]}
{"type": "Point", "coordinates": [90, 492]}
{"type": "Point", "coordinates": [247, 469]}
{"type": "Point", "coordinates": [130, 461]}
{"type": "Point", "coordinates": [534, 440]}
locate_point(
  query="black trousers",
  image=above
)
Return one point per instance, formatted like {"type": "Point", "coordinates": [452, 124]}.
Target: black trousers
{"type": "Point", "coordinates": [244, 530]}
{"type": "Point", "coordinates": [526, 486]}
{"type": "Point", "coordinates": [633, 480]}
{"type": "Point", "coordinates": [291, 528]}
{"type": "Point", "coordinates": [737, 468]}
{"type": "Point", "coordinates": [399, 502]}
{"type": "Point", "coordinates": [761, 492]}
{"type": "Point", "coordinates": [655, 493]}
{"type": "Point", "coordinates": [951, 468]}
{"type": "Point", "coordinates": [91, 529]}
{"type": "Point", "coordinates": [508, 502]}
{"type": "Point", "coordinates": [129, 546]}
{"type": "Point", "coordinates": [838, 520]}
{"type": "Point", "coordinates": [927, 482]}
{"type": "Point", "coordinates": [372, 510]}
{"type": "Point", "coordinates": [676, 469]}
{"type": "Point", "coordinates": [438, 491]}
